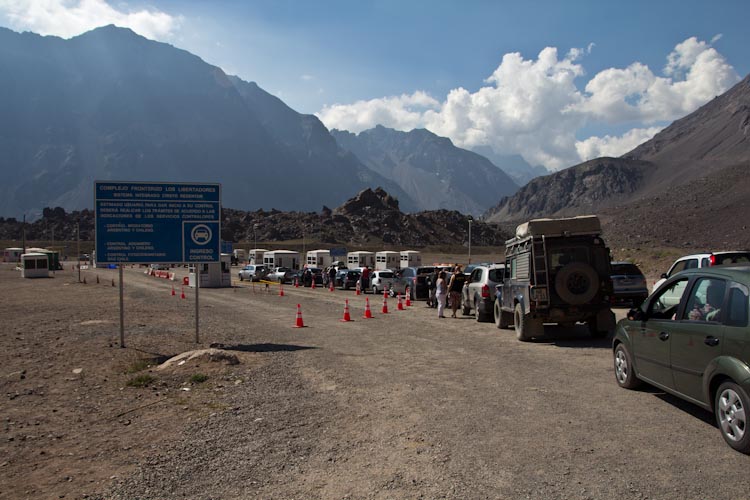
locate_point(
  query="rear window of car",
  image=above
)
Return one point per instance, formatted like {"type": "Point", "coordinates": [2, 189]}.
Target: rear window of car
{"type": "Point", "coordinates": [386, 274]}
{"type": "Point", "coordinates": [496, 275]}
{"type": "Point", "coordinates": [629, 269]}
{"type": "Point", "coordinates": [732, 258]}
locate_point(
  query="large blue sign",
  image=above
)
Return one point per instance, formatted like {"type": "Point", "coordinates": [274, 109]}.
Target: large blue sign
{"type": "Point", "coordinates": [150, 222]}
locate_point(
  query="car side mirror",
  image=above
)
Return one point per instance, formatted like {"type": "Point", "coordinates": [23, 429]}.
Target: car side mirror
{"type": "Point", "coordinates": [636, 314]}
{"type": "Point", "coordinates": [664, 275]}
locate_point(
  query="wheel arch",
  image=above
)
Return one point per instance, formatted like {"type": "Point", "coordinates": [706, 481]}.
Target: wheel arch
{"type": "Point", "coordinates": [724, 369]}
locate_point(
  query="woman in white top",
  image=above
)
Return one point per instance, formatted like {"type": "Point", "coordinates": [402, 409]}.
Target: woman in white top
{"type": "Point", "coordinates": [440, 293]}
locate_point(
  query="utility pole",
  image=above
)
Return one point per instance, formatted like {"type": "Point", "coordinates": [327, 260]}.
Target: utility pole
{"type": "Point", "coordinates": [23, 233]}
{"type": "Point", "coordinates": [78, 241]}
{"type": "Point", "coordinates": [470, 221]}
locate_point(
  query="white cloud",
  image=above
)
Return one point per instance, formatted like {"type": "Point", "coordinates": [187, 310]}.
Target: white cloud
{"type": "Point", "coordinates": [68, 18]}
{"type": "Point", "coordinates": [695, 73]}
{"type": "Point", "coordinates": [533, 107]}
{"type": "Point", "coordinates": [594, 147]}
{"type": "Point", "coordinates": [402, 112]}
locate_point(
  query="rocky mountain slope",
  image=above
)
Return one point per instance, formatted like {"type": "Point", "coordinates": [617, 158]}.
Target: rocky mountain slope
{"type": "Point", "coordinates": [430, 169]}
{"type": "Point", "coordinates": [373, 217]}
{"type": "Point", "coordinates": [706, 144]}
{"type": "Point", "coordinates": [110, 104]}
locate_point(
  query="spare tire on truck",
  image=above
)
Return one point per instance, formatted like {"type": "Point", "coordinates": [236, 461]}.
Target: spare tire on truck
{"type": "Point", "coordinates": [577, 283]}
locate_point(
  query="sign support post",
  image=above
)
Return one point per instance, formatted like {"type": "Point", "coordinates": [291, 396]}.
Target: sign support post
{"type": "Point", "coordinates": [197, 313]}
{"type": "Point", "coordinates": [122, 310]}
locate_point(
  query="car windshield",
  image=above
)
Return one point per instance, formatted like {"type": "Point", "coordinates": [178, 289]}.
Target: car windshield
{"type": "Point", "coordinates": [628, 269]}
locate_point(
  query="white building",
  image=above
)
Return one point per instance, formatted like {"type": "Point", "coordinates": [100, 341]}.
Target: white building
{"type": "Point", "coordinates": [387, 260]}
{"type": "Point", "coordinates": [319, 258]}
{"type": "Point", "coordinates": [360, 259]}
{"type": "Point", "coordinates": [35, 265]}
{"type": "Point", "coordinates": [213, 274]}
{"type": "Point", "coordinates": [12, 254]}
{"type": "Point", "coordinates": [255, 256]}
{"type": "Point", "coordinates": [282, 258]}
{"type": "Point", "coordinates": [411, 258]}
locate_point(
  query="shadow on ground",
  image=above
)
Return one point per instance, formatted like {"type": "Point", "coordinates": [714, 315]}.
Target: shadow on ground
{"type": "Point", "coordinates": [261, 347]}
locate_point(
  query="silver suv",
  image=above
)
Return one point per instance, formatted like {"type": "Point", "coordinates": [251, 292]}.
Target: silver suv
{"type": "Point", "coordinates": [381, 280]}
{"type": "Point", "coordinates": [478, 294]}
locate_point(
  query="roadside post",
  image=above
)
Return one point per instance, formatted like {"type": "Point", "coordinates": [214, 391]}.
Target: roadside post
{"type": "Point", "coordinates": [157, 223]}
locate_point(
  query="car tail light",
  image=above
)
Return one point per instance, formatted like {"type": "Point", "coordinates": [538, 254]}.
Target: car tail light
{"type": "Point", "coordinates": [712, 260]}
{"type": "Point", "coordinates": [485, 291]}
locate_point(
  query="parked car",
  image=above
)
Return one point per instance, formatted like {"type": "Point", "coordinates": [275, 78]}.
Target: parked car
{"type": "Point", "coordinates": [253, 272]}
{"type": "Point", "coordinates": [280, 275]}
{"type": "Point", "coordinates": [347, 278]}
{"type": "Point", "coordinates": [699, 260]}
{"type": "Point", "coordinates": [628, 283]}
{"type": "Point", "coordinates": [415, 278]}
{"type": "Point", "coordinates": [478, 294]}
{"type": "Point", "coordinates": [697, 348]}
{"type": "Point", "coordinates": [381, 280]}
{"type": "Point", "coordinates": [315, 273]}
{"type": "Point", "coordinates": [160, 267]}
{"type": "Point", "coordinates": [558, 272]}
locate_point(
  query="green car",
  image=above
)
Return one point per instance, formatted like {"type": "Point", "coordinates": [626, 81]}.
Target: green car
{"type": "Point", "coordinates": [691, 338]}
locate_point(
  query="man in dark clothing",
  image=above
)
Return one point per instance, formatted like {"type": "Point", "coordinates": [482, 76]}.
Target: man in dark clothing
{"type": "Point", "coordinates": [455, 287]}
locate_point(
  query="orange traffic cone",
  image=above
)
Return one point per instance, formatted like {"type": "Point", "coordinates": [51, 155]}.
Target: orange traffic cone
{"type": "Point", "coordinates": [281, 289]}
{"type": "Point", "coordinates": [182, 293]}
{"type": "Point", "coordinates": [296, 282]}
{"type": "Point", "coordinates": [408, 297]}
{"type": "Point", "coordinates": [299, 323]}
{"type": "Point", "coordinates": [368, 313]}
{"type": "Point", "coordinates": [400, 305]}
{"type": "Point", "coordinates": [330, 288]}
{"type": "Point", "coordinates": [385, 304]}
{"type": "Point", "coordinates": [346, 317]}
{"type": "Point", "coordinates": [173, 294]}
{"type": "Point", "coordinates": [312, 285]}
{"type": "Point", "coordinates": [357, 288]}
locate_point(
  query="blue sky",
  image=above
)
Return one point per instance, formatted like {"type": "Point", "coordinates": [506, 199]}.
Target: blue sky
{"type": "Point", "coordinates": [557, 82]}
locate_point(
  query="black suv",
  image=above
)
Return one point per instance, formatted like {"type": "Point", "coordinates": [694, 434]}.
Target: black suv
{"type": "Point", "coordinates": [556, 271]}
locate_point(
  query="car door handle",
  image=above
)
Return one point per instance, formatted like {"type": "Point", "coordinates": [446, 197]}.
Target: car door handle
{"type": "Point", "coordinates": [663, 336]}
{"type": "Point", "coordinates": [711, 340]}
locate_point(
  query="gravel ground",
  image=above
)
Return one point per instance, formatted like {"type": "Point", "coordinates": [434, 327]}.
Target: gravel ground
{"type": "Point", "coordinates": [404, 405]}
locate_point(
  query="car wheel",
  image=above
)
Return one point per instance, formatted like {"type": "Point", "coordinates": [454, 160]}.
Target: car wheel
{"type": "Point", "coordinates": [502, 319]}
{"type": "Point", "coordinates": [477, 314]}
{"type": "Point", "coordinates": [731, 407]}
{"type": "Point", "coordinates": [624, 373]}
{"type": "Point", "coordinates": [241, 278]}
{"type": "Point", "coordinates": [526, 327]}
{"type": "Point", "coordinates": [465, 307]}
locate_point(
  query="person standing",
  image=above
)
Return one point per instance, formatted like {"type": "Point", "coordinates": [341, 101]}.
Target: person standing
{"type": "Point", "coordinates": [455, 287]}
{"type": "Point", "coordinates": [441, 290]}
{"type": "Point", "coordinates": [332, 276]}
{"type": "Point", "coordinates": [364, 280]}
{"type": "Point", "coordinates": [432, 286]}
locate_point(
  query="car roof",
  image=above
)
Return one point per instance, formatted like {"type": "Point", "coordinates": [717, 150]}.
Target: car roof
{"type": "Point", "coordinates": [739, 273]}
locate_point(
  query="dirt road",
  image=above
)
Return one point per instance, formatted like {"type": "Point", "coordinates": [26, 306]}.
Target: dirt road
{"type": "Point", "coordinates": [405, 405]}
